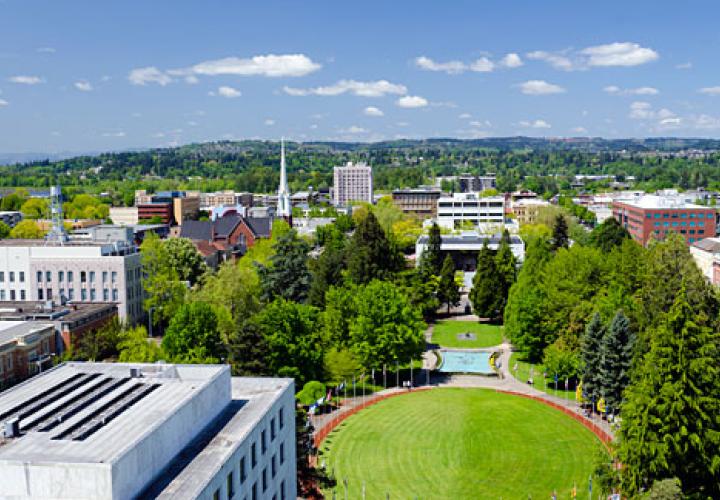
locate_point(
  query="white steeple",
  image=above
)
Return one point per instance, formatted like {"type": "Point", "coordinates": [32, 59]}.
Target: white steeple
{"type": "Point", "coordinates": [283, 207]}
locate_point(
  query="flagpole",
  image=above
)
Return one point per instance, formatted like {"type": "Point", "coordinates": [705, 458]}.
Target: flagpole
{"type": "Point", "coordinates": [384, 377]}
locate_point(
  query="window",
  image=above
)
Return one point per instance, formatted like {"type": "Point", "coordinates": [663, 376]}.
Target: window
{"type": "Point", "coordinates": [263, 441]}
{"type": "Point", "coordinates": [264, 479]}
{"type": "Point", "coordinates": [12, 276]}
{"type": "Point", "coordinates": [666, 216]}
{"type": "Point", "coordinates": [114, 276]}
{"type": "Point", "coordinates": [48, 275]}
{"type": "Point", "coordinates": [701, 223]}
{"type": "Point", "coordinates": [71, 294]}
{"type": "Point", "coordinates": [272, 429]}
{"type": "Point", "coordinates": [692, 240]}
{"type": "Point", "coordinates": [93, 295]}
{"type": "Point", "coordinates": [2, 294]}
{"type": "Point", "coordinates": [2, 277]}
{"type": "Point", "coordinates": [709, 216]}
{"type": "Point", "coordinates": [12, 294]}
{"type": "Point", "coordinates": [106, 294]}
{"type": "Point", "coordinates": [282, 490]}
{"type": "Point", "coordinates": [104, 276]}
{"type": "Point", "coordinates": [70, 275]}
{"type": "Point", "coordinates": [273, 467]}
{"type": "Point", "coordinates": [230, 486]}
{"type": "Point", "coordinates": [253, 456]}
{"type": "Point", "coordinates": [83, 294]}
{"type": "Point", "coordinates": [281, 418]}
{"type": "Point", "coordinates": [692, 216]}
{"type": "Point", "coordinates": [674, 224]}
{"type": "Point", "coordinates": [62, 293]}
{"type": "Point", "coordinates": [692, 223]}
{"type": "Point", "coordinates": [243, 472]}
{"type": "Point", "coordinates": [282, 453]}
{"type": "Point", "coordinates": [683, 216]}
{"type": "Point", "coordinates": [115, 295]}
{"type": "Point", "coordinates": [48, 294]}
{"type": "Point", "coordinates": [40, 294]}
{"type": "Point", "coordinates": [657, 216]}
{"type": "Point", "coordinates": [83, 276]}
{"type": "Point", "coordinates": [216, 495]}
{"type": "Point", "coordinates": [22, 273]}
{"type": "Point", "coordinates": [657, 224]}
{"type": "Point", "coordinates": [92, 276]}
{"type": "Point", "coordinates": [253, 496]}
{"type": "Point", "coordinates": [666, 224]}
{"type": "Point", "coordinates": [61, 276]}
{"type": "Point", "coordinates": [22, 294]}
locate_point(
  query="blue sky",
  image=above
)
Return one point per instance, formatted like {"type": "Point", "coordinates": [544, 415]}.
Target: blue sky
{"type": "Point", "coordinates": [84, 75]}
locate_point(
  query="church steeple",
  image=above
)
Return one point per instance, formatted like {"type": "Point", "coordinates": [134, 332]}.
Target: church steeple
{"type": "Point", "coordinates": [284, 209]}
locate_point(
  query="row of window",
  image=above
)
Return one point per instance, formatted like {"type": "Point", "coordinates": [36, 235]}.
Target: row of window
{"type": "Point", "coordinates": [47, 294]}
{"type": "Point", "coordinates": [682, 231]}
{"type": "Point", "coordinates": [681, 215]}
{"type": "Point", "coordinates": [275, 461]}
{"type": "Point", "coordinates": [11, 276]}
{"type": "Point", "coordinates": [12, 295]}
{"type": "Point", "coordinates": [85, 276]}
{"type": "Point", "coordinates": [681, 223]}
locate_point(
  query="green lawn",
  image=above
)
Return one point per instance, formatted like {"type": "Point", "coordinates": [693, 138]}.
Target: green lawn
{"type": "Point", "coordinates": [445, 334]}
{"type": "Point", "coordinates": [460, 444]}
{"type": "Point", "coordinates": [547, 385]}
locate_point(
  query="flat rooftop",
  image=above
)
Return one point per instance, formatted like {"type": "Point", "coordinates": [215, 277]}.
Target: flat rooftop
{"type": "Point", "coordinates": [11, 330]}
{"type": "Point", "coordinates": [652, 201]}
{"type": "Point", "coordinates": [39, 310]}
{"type": "Point", "coordinates": [64, 412]}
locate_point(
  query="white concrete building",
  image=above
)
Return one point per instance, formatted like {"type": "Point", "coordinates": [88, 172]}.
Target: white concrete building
{"type": "Point", "coordinates": [706, 253]}
{"type": "Point", "coordinates": [353, 182]}
{"type": "Point", "coordinates": [124, 216]}
{"type": "Point", "coordinates": [122, 431]}
{"type": "Point", "coordinates": [82, 271]}
{"type": "Point", "coordinates": [462, 209]}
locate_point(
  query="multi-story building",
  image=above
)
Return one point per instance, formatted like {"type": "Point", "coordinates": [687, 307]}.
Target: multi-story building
{"type": "Point", "coordinates": [71, 321]}
{"type": "Point", "coordinates": [649, 217]}
{"type": "Point", "coordinates": [420, 201]}
{"type": "Point", "coordinates": [706, 253]}
{"type": "Point", "coordinates": [526, 210]}
{"type": "Point", "coordinates": [25, 349]}
{"type": "Point", "coordinates": [186, 208]}
{"type": "Point", "coordinates": [160, 211]}
{"type": "Point", "coordinates": [353, 182]}
{"type": "Point", "coordinates": [468, 183]}
{"type": "Point", "coordinates": [82, 271]}
{"type": "Point", "coordinates": [123, 431]}
{"type": "Point", "coordinates": [124, 216]}
{"type": "Point", "coordinates": [218, 199]}
{"type": "Point", "coordinates": [463, 209]}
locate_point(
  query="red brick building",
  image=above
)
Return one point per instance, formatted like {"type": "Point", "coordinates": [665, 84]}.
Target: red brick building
{"type": "Point", "coordinates": [25, 348]}
{"type": "Point", "coordinates": [654, 217]}
{"type": "Point", "coordinates": [164, 211]}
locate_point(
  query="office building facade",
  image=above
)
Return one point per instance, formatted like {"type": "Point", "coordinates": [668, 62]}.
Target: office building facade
{"type": "Point", "coordinates": [422, 202]}
{"type": "Point", "coordinates": [470, 210]}
{"type": "Point", "coordinates": [352, 182]}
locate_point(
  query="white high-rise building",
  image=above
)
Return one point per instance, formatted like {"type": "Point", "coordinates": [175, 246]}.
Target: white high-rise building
{"type": "Point", "coordinates": [455, 211]}
{"type": "Point", "coordinates": [284, 208]}
{"type": "Point", "coordinates": [353, 182]}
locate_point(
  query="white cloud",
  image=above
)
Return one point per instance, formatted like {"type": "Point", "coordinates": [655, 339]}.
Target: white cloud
{"type": "Point", "coordinates": [373, 111]}
{"type": "Point", "coordinates": [579, 130]}
{"type": "Point", "coordinates": [619, 54]}
{"type": "Point", "coordinates": [3, 102]}
{"type": "Point", "coordinates": [480, 124]}
{"type": "Point", "coordinates": [46, 50]}
{"type": "Point", "coordinates": [557, 61]}
{"type": "Point", "coordinates": [353, 129]}
{"type": "Point", "coordinates": [270, 65]}
{"type": "Point", "coordinates": [611, 54]}
{"type": "Point", "coordinates": [465, 116]}
{"type": "Point", "coordinates": [687, 65]}
{"type": "Point", "coordinates": [540, 87]}
{"type": "Point", "coordinates": [615, 90]}
{"type": "Point", "coordinates": [450, 67]}
{"type": "Point", "coordinates": [269, 122]}
{"type": "Point", "coordinates": [83, 86]}
{"type": "Point", "coordinates": [26, 80]}
{"type": "Point", "coordinates": [314, 126]}
{"type": "Point", "coordinates": [641, 110]}
{"type": "Point", "coordinates": [535, 124]}
{"type": "Point", "coordinates": [482, 65]}
{"type": "Point", "coordinates": [114, 134]}
{"type": "Point", "coordinates": [511, 60]}
{"type": "Point", "coordinates": [229, 92]}
{"type": "Point", "coordinates": [149, 74]}
{"type": "Point", "coordinates": [412, 101]}
{"type": "Point", "coordinates": [710, 90]}
{"type": "Point", "coordinates": [377, 88]}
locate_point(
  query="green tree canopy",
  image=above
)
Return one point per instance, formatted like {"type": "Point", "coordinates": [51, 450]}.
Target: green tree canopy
{"type": "Point", "coordinates": [4, 230]}
{"type": "Point", "coordinates": [608, 235]}
{"type": "Point", "coordinates": [193, 335]}
{"type": "Point", "coordinates": [370, 253]}
{"type": "Point", "coordinates": [592, 358]}
{"type": "Point", "coordinates": [616, 352]}
{"type": "Point", "coordinates": [27, 229]}
{"type": "Point", "coordinates": [448, 290]}
{"type": "Point", "coordinates": [287, 274]}
{"type": "Point", "coordinates": [184, 258]}
{"type": "Point", "coordinates": [560, 237]}
{"type": "Point", "coordinates": [486, 286]}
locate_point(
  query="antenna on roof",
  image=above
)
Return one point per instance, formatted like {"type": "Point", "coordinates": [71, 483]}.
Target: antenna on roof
{"type": "Point", "coordinates": [57, 232]}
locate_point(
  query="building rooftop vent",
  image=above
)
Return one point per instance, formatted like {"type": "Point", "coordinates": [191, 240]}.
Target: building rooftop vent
{"type": "Point", "coordinates": [12, 428]}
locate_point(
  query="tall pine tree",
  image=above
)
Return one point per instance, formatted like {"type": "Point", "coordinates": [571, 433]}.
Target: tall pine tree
{"type": "Point", "coordinates": [671, 416]}
{"type": "Point", "coordinates": [560, 237]}
{"type": "Point", "coordinates": [432, 256]}
{"type": "Point", "coordinates": [371, 254]}
{"type": "Point", "coordinates": [448, 291]}
{"type": "Point", "coordinates": [592, 357]}
{"type": "Point", "coordinates": [288, 275]}
{"type": "Point", "coordinates": [505, 263]}
{"type": "Point", "coordinates": [616, 358]}
{"type": "Point", "coordinates": [486, 289]}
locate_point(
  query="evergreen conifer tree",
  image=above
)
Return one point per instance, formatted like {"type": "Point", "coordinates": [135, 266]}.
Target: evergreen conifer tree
{"type": "Point", "coordinates": [671, 415]}
{"type": "Point", "coordinates": [616, 358]}
{"type": "Point", "coordinates": [591, 356]}
{"type": "Point", "coordinates": [370, 253]}
{"type": "Point", "coordinates": [288, 275]}
{"type": "Point", "coordinates": [560, 237]}
{"type": "Point", "coordinates": [485, 290]}
{"type": "Point", "coordinates": [448, 290]}
{"type": "Point", "coordinates": [432, 256]}
{"type": "Point", "coordinates": [506, 271]}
